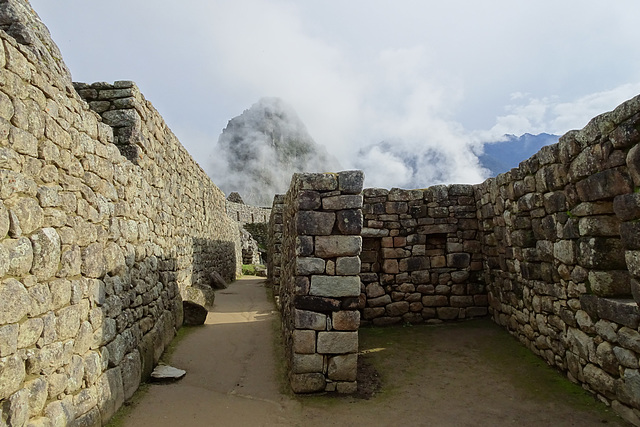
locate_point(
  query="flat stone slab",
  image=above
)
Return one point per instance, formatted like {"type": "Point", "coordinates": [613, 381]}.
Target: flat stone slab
{"type": "Point", "coordinates": [167, 373]}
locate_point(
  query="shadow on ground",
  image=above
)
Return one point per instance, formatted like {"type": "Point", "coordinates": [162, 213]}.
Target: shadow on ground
{"type": "Point", "coordinates": [462, 374]}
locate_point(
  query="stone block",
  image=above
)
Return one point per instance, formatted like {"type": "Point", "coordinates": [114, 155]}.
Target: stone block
{"type": "Point", "coordinates": [304, 341]}
{"type": "Point", "coordinates": [630, 234]}
{"type": "Point", "coordinates": [304, 319]}
{"type": "Point", "coordinates": [623, 311]}
{"type": "Point", "coordinates": [348, 266]}
{"type": "Point", "coordinates": [335, 286]}
{"type": "Point", "coordinates": [46, 253]}
{"type": "Point", "coordinates": [379, 301]}
{"type": "Point", "coordinates": [397, 309]}
{"type": "Point", "coordinates": [599, 226]}
{"type": "Point", "coordinates": [601, 253]}
{"type": "Point", "coordinates": [311, 223]}
{"type": "Point", "coordinates": [307, 383]}
{"type": "Point", "coordinates": [309, 200]}
{"type": "Point", "coordinates": [350, 221]}
{"type": "Point", "coordinates": [315, 181]}
{"type": "Point", "coordinates": [448, 313]}
{"type": "Point", "coordinates": [316, 303]}
{"type": "Point", "coordinates": [435, 300]}
{"type": "Point", "coordinates": [337, 246]}
{"type": "Point", "coordinates": [346, 320]}
{"type": "Point", "coordinates": [306, 363]}
{"type": "Point", "coordinates": [110, 392]}
{"type": "Point", "coordinates": [343, 367]}
{"type": "Point", "coordinates": [337, 342]}
{"type": "Point", "coordinates": [374, 290]}
{"type": "Point", "coordinates": [633, 162]}
{"type": "Point", "coordinates": [20, 256]}
{"type": "Point", "coordinates": [15, 302]}
{"type": "Point", "coordinates": [304, 246]}
{"type": "Point", "coordinates": [194, 314]}
{"type": "Point", "coordinates": [306, 266]}
{"type": "Point", "coordinates": [609, 283]}
{"type": "Point", "coordinates": [335, 203]}
{"type": "Point", "coordinates": [604, 185]}
{"type": "Point", "coordinates": [93, 261]}
{"type": "Point", "coordinates": [632, 260]}
{"type": "Point", "coordinates": [350, 182]}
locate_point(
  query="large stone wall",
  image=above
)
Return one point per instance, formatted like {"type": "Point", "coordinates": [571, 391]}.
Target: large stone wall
{"type": "Point", "coordinates": [246, 214]}
{"type": "Point", "coordinates": [322, 220]}
{"type": "Point", "coordinates": [421, 256]}
{"type": "Point", "coordinates": [560, 242]}
{"type": "Point", "coordinates": [552, 247]}
{"type": "Point", "coordinates": [95, 247]}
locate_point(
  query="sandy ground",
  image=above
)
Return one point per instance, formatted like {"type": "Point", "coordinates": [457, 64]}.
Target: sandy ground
{"type": "Point", "coordinates": [467, 374]}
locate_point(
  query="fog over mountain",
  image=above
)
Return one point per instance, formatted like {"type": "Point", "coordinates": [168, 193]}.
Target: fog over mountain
{"type": "Point", "coordinates": [259, 151]}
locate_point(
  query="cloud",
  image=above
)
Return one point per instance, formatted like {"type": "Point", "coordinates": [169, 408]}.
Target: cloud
{"type": "Point", "coordinates": [554, 115]}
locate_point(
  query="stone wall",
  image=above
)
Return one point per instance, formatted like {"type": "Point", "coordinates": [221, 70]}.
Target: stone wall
{"type": "Point", "coordinates": [321, 242]}
{"type": "Point", "coordinates": [246, 214]}
{"type": "Point", "coordinates": [274, 246]}
{"type": "Point", "coordinates": [95, 247]}
{"type": "Point", "coordinates": [560, 242]}
{"type": "Point", "coordinates": [421, 258]}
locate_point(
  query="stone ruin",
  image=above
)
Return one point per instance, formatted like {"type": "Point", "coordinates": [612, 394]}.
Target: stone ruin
{"type": "Point", "coordinates": [108, 228]}
{"type": "Point", "coordinates": [549, 250]}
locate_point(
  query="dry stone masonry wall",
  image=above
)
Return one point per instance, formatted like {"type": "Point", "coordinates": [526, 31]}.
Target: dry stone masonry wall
{"type": "Point", "coordinates": [321, 244]}
{"type": "Point", "coordinates": [421, 258]}
{"type": "Point", "coordinates": [560, 242]}
{"type": "Point", "coordinates": [95, 248]}
{"type": "Point", "coordinates": [274, 246]}
{"type": "Point", "coordinates": [550, 250]}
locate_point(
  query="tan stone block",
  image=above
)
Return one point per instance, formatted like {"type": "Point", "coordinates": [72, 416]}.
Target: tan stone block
{"type": "Point", "coordinates": [304, 342]}
{"type": "Point", "coordinates": [346, 320]}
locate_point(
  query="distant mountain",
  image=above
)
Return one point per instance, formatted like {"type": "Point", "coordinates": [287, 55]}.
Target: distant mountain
{"type": "Point", "coordinates": [502, 156]}
{"type": "Point", "coordinates": [260, 149]}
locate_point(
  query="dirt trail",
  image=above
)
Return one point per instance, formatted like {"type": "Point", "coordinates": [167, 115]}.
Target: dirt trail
{"type": "Point", "coordinates": [470, 374]}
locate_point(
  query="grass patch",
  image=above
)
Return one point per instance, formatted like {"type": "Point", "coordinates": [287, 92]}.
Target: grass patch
{"type": "Point", "coordinates": [250, 269]}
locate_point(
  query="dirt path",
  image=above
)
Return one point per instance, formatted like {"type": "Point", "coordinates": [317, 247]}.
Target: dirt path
{"type": "Point", "coordinates": [466, 374]}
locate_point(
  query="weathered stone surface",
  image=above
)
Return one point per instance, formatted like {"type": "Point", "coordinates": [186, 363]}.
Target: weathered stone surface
{"type": "Point", "coordinates": [15, 302]}
{"type": "Point", "coordinates": [309, 265]}
{"type": "Point", "coordinates": [351, 182]}
{"type": "Point", "coordinates": [307, 383]}
{"type": "Point", "coordinates": [313, 223]}
{"type": "Point", "coordinates": [336, 203]}
{"type": "Point", "coordinates": [20, 254]}
{"type": "Point", "coordinates": [338, 246]}
{"type": "Point", "coordinates": [627, 206]}
{"type": "Point", "coordinates": [315, 303]}
{"type": "Point", "coordinates": [12, 374]}
{"type": "Point", "coordinates": [304, 341]}
{"type": "Point", "coordinates": [609, 283]}
{"type": "Point", "coordinates": [194, 314]}
{"type": "Point", "coordinates": [46, 253]}
{"type": "Point", "coordinates": [343, 367]}
{"type": "Point", "coordinates": [337, 342]}
{"type": "Point", "coordinates": [335, 286]}
{"type": "Point", "coordinates": [348, 266]}
{"type": "Point", "coordinates": [350, 221]}
{"type": "Point", "coordinates": [93, 261]}
{"type": "Point", "coordinates": [167, 373]}
{"type": "Point", "coordinates": [304, 319]}
{"type": "Point", "coordinates": [315, 181]}
{"type": "Point", "coordinates": [307, 363]}
{"type": "Point", "coordinates": [346, 320]}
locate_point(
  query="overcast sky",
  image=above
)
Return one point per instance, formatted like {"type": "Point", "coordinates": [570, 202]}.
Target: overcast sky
{"type": "Point", "coordinates": [428, 73]}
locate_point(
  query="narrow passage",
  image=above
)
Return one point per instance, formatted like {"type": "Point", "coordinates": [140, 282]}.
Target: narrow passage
{"type": "Point", "coordinates": [231, 371]}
